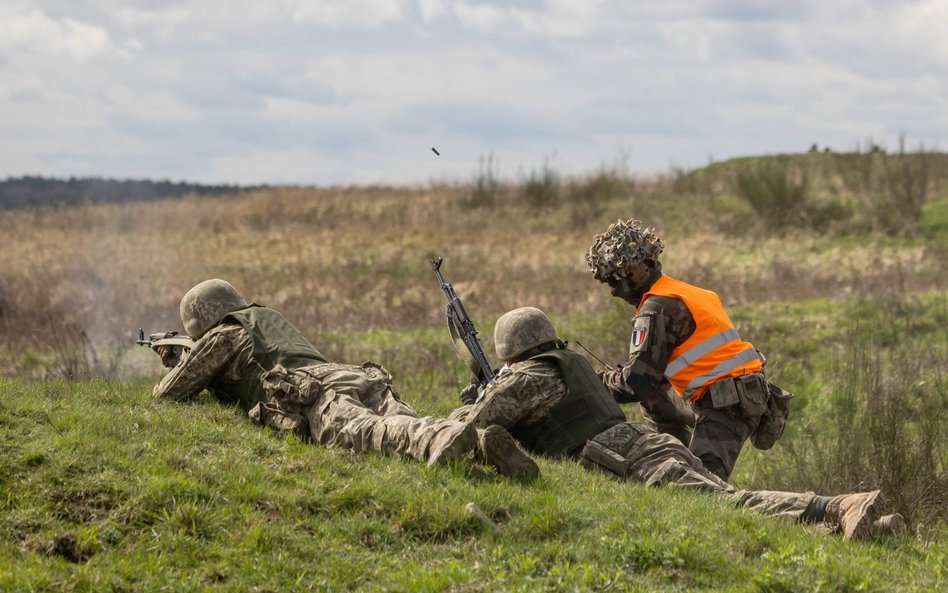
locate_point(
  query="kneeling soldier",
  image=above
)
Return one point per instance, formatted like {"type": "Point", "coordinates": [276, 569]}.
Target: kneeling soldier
{"type": "Point", "coordinates": [682, 337]}
{"type": "Point", "coordinates": [552, 402]}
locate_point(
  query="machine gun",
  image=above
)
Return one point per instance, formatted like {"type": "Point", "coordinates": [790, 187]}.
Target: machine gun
{"type": "Point", "coordinates": [462, 330]}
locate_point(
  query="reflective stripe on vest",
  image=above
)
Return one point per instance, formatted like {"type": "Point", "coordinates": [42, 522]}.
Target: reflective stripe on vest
{"type": "Point", "coordinates": [715, 349]}
{"type": "Point", "coordinates": [722, 370]}
{"type": "Point", "coordinates": [706, 347]}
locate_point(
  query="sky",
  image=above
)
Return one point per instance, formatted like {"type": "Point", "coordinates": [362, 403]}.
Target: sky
{"type": "Point", "coordinates": [359, 91]}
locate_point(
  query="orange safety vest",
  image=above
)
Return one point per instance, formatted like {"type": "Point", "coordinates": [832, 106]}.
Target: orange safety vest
{"type": "Point", "coordinates": [714, 351]}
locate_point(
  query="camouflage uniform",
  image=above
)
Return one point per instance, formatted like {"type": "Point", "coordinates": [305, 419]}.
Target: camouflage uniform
{"type": "Point", "coordinates": [628, 253]}
{"type": "Point", "coordinates": [718, 434]}
{"type": "Point", "coordinates": [524, 395]}
{"type": "Point", "coordinates": [334, 404]}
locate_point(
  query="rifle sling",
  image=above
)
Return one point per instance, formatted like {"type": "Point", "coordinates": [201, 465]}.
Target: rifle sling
{"type": "Point", "coordinates": [462, 350]}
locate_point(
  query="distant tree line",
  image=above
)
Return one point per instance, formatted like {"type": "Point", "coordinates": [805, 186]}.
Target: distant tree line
{"type": "Point", "coordinates": [29, 191]}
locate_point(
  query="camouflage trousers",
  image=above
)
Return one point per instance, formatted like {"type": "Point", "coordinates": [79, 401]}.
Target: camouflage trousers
{"type": "Point", "coordinates": [719, 435]}
{"type": "Point", "coordinates": [635, 452]}
{"type": "Point", "coordinates": [355, 407]}
{"type": "Point", "coordinates": [669, 414]}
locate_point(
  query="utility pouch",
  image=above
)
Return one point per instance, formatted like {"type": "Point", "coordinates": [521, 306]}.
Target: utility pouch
{"type": "Point", "coordinates": [376, 371]}
{"type": "Point", "coordinates": [753, 393]}
{"type": "Point", "coordinates": [723, 394]}
{"type": "Point", "coordinates": [598, 456]}
{"type": "Point", "coordinates": [270, 415]}
{"type": "Point", "coordinates": [291, 391]}
{"type": "Point", "coordinates": [774, 421]}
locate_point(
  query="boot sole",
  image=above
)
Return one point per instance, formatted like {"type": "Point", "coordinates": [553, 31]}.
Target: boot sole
{"type": "Point", "coordinates": [502, 452]}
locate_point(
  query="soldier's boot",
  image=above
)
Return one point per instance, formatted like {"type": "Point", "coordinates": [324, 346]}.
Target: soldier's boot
{"type": "Point", "coordinates": [854, 513]}
{"type": "Point", "coordinates": [892, 525]}
{"type": "Point", "coordinates": [500, 450]}
{"type": "Point", "coordinates": [452, 444]}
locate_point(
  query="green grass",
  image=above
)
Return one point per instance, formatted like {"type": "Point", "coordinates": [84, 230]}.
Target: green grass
{"type": "Point", "coordinates": [103, 488]}
{"type": "Point", "coordinates": [106, 489]}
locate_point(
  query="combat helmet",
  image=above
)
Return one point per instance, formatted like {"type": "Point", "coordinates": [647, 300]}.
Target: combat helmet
{"type": "Point", "coordinates": [205, 305]}
{"type": "Point", "coordinates": [520, 330]}
{"type": "Point", "coordinates": [623, 250]}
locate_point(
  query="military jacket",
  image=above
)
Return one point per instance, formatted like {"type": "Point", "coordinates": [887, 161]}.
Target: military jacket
{"type": "Point", "coordinates": [231, 359]}
{"type": "Point", "coordinates": [551, 403]}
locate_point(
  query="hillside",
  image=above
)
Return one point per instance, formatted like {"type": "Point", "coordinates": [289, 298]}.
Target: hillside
{"type": "Point", "coordinates": [834, 265]}
{"type": "Point", "coordinates": [107, 489]}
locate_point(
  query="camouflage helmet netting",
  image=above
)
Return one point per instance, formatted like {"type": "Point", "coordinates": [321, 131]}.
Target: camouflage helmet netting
{"type": "Point", "coordinates": [205, 305]}
{"type": "Point", "coordinates": [520, 330]}
{"type": "Point", "coordinates": [623, 246]}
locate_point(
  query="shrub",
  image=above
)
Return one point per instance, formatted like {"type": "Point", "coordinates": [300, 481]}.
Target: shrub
{"type": "Point", "coordinates": [908, 178]}
{"type": "Point", "coordinates": [778, 197]}
{"type": "Point", "coordinates": [588, 196]}
{"type": "Point", "coordinates": [485, 190]}
{"type": "Point", "coordinates": [542, 188]}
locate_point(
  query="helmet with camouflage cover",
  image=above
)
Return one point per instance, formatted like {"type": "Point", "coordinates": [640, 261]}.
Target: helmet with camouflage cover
{"type": "Point", "coordinates": [206, 304]}
{"type": "Point", "coordinates": [520, 330]}
{"type": "Point", "coordinates": [622, 250]}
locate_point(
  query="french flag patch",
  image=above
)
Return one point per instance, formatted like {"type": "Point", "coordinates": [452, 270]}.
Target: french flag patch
{"type": "Point", "coordinates": [638, 336]}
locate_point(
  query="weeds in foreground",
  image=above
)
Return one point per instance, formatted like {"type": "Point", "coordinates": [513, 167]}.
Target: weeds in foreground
{"type": "Point", "coordinates": [886, 419]}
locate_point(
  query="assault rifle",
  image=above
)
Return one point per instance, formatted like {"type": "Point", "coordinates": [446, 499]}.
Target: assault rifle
{"type": "Point", "coordinates": [178, 344]}
{"type": "Point", "coordinates": [462, 329]}
{"type": "Point", "coordinates": [164, 339]}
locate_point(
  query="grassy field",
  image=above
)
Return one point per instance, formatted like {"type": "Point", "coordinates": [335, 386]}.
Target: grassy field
{"type": "Point", "coordinates": [107, 489]}
{"type": "Point", "coordinates": [834, 265]}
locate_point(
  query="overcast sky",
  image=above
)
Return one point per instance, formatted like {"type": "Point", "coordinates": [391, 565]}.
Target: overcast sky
{"type": "Point", "coordinates": [358, 91]}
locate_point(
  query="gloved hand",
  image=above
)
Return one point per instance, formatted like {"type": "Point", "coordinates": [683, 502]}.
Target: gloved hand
{"type": "Point", "coordinates": [607, 375]}
{"type": "Point", "coordinates": [170, 355]}
{"type": "Point", "coordinates": [469, 394]}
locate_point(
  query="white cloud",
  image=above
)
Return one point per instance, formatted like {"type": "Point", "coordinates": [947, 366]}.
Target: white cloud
{"type": "Point", "coordinates": [551, 18]}
{"type": "Point", "coordinates": [333, 14]}
{"type": "Point", "coordinates": [30, 30]}
{"type": "Point", "coordinates": [431, 10]}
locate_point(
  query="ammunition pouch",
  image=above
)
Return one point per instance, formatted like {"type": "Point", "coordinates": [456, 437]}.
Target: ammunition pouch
{"type": "Point", "coordinates": [750, 391]}
{"type": "Point", "coordinates": [774, 421]}
{"type": "Point", "coordinates": [291, 391]}
{"type": "Point", "coordinates": [753, 393]}
{"type": "Point", "coordinates": [598, 456]}
{"type": "Point", "coordinates": [609, 451]}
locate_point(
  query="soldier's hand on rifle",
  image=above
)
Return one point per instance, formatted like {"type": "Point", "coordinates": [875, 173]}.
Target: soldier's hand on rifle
{"type": "Point", "coordinates": [170, 355]}
{"type": "Point", "coordinates": [469, 394]}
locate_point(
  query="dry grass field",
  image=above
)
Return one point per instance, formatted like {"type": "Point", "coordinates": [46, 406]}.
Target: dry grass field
{"type": "Point", "coordinates": [823, 295]}
{"type": "Point", "coordinates": [76, 283]}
